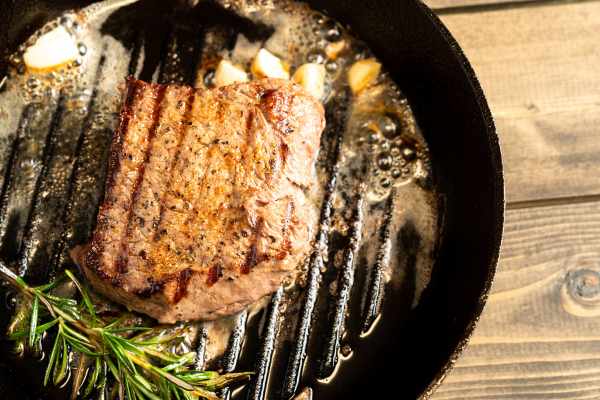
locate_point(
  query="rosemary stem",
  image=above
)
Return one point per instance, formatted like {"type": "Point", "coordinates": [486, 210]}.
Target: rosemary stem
{"type": "Point", "coordinates": [13, 279]}
{"type": "Point", "coordinates": [142, 365]}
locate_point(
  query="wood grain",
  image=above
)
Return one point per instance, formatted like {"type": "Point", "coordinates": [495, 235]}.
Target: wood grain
{"type": "Point", "coordinates": [539, 69]}
{"type": "Point", "coordinates": [538, 338]}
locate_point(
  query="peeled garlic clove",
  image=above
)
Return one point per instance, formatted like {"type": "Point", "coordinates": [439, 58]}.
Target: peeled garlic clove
{"type": "Point", "coordinates": [51, 50]}
{"type": "Point", "coordinates": [266, 64]}
{"type": "Point", "coordinates": [362, 74]}
{"type": "Point", "coordinates": [227, 73]}
{"type": "Point", "coordinates": [311, 77]}
{"type": "Point", "coordinates": [334, 49]}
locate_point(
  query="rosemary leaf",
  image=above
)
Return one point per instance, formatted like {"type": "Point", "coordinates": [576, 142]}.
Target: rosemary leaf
{"type": "Point", "coordinates": [52, 359]}
{"type": "Point", "coordinates": [93, 377]}
{"type": "Point", "coordinates": [185, 359]}
{"type": "Point", "coordinates": [39, 330]}
{"type": "Point", "coordinates": [33, 320]}
{"type": "Point", "coordinates": [145, 387]}
{"type": "Point", "coordinates": [84, 295]}
{"type": "Point", "coordinates": [113, 368]}
{"type": "Point", "coordinates": [60, 372]}
{"type": "Point", "coordinates": [73, 333]}
{"type": "Point", "coordinates": [127, 329]}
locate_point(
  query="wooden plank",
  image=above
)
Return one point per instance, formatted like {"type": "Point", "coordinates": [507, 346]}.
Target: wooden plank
{"type": "Point", "coordinates": [539, 336]}
{"type": "Point", "coordinates": [539, 69]}
{"type": "Point", "coordinates": [439, 4]}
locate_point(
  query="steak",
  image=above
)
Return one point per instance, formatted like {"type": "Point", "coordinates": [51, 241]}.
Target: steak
{"type": "Point", "coordinates": [205, 208]}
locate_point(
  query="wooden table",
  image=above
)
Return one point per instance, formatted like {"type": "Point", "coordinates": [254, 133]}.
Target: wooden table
{"type": "Point", "coordinates": [539, 65]}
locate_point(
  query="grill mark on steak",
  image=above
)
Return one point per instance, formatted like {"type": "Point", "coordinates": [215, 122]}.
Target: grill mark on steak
{"type": "Point", "coordinates": [284, 150]}
{"type": "Point", "coordinates": [214, 274]}
{"type": "Point", "coordinates": [252, 256]}
{"type": "Point", "coordinates": [122, 262]}
{"type": "Point", "coordinates": [181, 135]}
{"type": "Point", "coordinates": [183, 278]}
{"type": "Point", "coordinates": [286, 245]}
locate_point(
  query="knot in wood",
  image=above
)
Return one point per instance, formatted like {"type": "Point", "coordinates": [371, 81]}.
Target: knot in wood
{"type": "Point", "coordinates": [583, 283]}
{"type": "Point", "coordinates": [580, 293]}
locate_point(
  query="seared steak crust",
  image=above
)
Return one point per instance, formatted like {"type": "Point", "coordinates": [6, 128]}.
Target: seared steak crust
{"type": "Point", "coordinates": [205, 208]}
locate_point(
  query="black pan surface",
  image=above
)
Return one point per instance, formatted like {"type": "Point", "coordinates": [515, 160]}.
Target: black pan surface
{"type": "Point", "coordinates": [406, 356]}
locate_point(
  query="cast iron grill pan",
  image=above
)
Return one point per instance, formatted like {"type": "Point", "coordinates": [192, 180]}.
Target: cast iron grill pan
{"type": "Point", "coordinates": [50, 206]}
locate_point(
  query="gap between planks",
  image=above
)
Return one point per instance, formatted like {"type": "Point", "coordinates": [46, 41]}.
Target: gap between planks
{"type": "Point", "coordinates": [444, 7]}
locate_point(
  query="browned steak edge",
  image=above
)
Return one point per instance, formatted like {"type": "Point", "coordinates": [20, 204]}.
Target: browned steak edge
{"type": "Point", "coordinates": [92, 259]}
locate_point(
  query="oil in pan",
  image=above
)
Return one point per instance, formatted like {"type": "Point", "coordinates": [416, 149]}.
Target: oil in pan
{"type": "Point", "coordinates": [377, 208]}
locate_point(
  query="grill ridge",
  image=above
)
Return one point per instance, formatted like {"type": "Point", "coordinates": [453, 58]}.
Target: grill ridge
{"type": "Point", "coordinates": [10, 168]}
{"type": "Point", "coordinates": [201, 348]}
{"type": "Point", "coordinates": [375, 286]}
{"type": "Point", "coordinates": [134, 67]}
{"type": "Point", "coordinates": [258, 387]}
{"type": "Point", "coordinates": [234, 348]}
{"type": "Point", "coordinates": [27, 244]}
{"type": "Point", "coordinates": [345, 283]}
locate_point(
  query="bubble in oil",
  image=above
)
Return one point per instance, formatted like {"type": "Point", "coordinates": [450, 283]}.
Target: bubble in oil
{"type": "Point", "coordinates": [331, 31]}
{"type": "Point", "coordinates": [67, 21]}
{"type": "Point", "coordinates": [316, 56]}
{"type": "Point", "coordinates": [409, 153]}
{"type": "Point", "coordinates": [33, 83]}
{"type": "Point", "coordinates": [331, 66]}
{"type": "Point", "coordinates": [384, 161]}
{"type": "Point", "coordinates": [346, 350]}
{"type": "Point", "coordinates": [10, 300]}
{"type": "Point", "coordinates": [373, 137]}
{"type": "Point", "coordinates": [390, 126]}
{"type": "Point", "coordinates": [82, 49]}
{"type": "Point", "coordinates": [209, 78]}
{"type": "Point", "coordinates": [319, 18]}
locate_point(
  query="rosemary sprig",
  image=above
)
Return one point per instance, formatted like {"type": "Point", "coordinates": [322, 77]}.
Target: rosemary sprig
{"type": "Point", "coordinates": [141, 365]}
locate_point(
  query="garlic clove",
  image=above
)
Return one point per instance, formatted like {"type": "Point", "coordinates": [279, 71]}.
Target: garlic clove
{"type": "Point", "coordinates": [51, 50]}
{"type": "Point", "coordinates": [266, 64]}
{"type": "Point", "coordinates": [362, 74]}
{"type": "Point", "coordinates": [227, 73]}
{"type": "Point", "coordinates": [311, 77]}
{"type": "Point", "coordinates": [334, 49]}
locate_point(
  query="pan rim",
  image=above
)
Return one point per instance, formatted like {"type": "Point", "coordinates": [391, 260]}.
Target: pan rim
{"type": "Point", "coordinates": [499, 191]}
